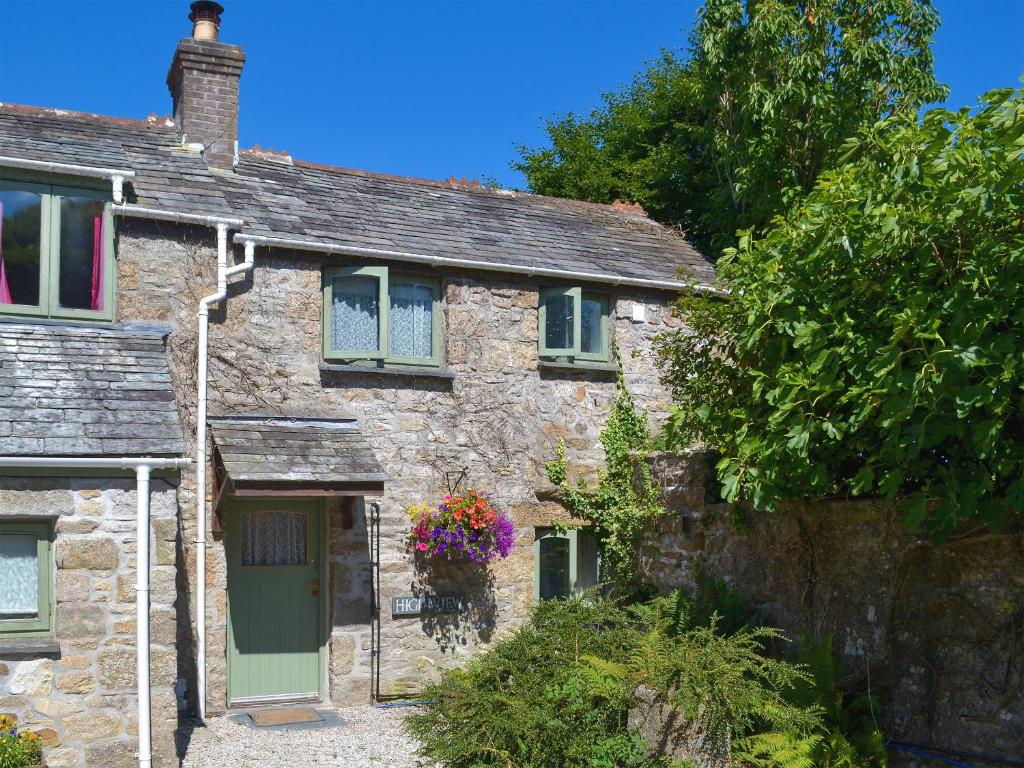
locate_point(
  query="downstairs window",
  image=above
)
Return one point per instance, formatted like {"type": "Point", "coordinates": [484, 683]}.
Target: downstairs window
{"type": "Point", "coordinates": [26, 604]}
{"type": "Point", "coordinates": [565, 563]}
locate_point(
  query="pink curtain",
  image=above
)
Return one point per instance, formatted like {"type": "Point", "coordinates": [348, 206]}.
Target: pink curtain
{"type": "Point", "coordinates": [5, 289]}
{"type": "Point", "coordinates": [97, 262]}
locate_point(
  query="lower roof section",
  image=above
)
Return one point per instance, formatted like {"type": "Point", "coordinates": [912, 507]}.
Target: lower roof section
{"type": "Point", "coordinates": [84, 391]}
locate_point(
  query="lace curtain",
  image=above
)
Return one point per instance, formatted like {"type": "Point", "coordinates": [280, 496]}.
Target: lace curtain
{"type": "Point", "coordinates": [354, 319]}
{"type": "Point", "coordinates": [19, 585]}
{"type": "Point", "coordinates": [273, 538]}
{"type": "Point", "coordinates": [411, 329]}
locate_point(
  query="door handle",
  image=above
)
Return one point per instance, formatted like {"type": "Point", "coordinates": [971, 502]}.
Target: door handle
{"type": "Point", "coordinates": [314, 588]}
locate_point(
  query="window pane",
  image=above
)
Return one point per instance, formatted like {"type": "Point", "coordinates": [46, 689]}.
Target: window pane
{"type": "Point", "coordinates": [411, 322]}
{"type": "Point", "coordinates": [81, 253]}
{"type": "Point", "coordinates": [587, 560]}
{"type": "Point", "coordinates": [273, 538]}
{"type": "Point", "coordinates": [592, 324]}
{"type": "Point", "coordinates": [355, 317]}
{"type": "Point", "coordinates": [19, 247]}
{"type": "Point", "coordinates": [554, 567]}
{"type": "Point", "coordinates": [19, 586]}
{"type": "Point", "coordinates": [558, 309]}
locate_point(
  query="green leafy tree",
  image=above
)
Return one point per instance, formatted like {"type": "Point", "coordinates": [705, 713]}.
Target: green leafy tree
{"type": "Point", "coordinates": [730, 132]}
{"type": "Point", "coordinates": [873, 340]}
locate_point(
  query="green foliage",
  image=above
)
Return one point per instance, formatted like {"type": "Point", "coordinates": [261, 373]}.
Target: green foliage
{"type": "Point", "coordinates": [18, 749]}
{"type": "Point", "coordinates": [625, 496]}
{"type": "Point", "coordinates": [532, 701]}
{"type": "Point", "coordinates": [556, 692]}
{"type": "Point", "coordinates": [847, 736]}
{"type": "Point", "coordinates": [873, 343]}
{"type": "Point", "coordinates": [730, 132]}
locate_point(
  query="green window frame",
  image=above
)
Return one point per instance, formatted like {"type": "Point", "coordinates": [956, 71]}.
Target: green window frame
{"type": "Point", "coordinates": [381, 356]}
{"type": "Point", "coordinates": [49, 253]}
{"type": "Point", "coordinates": [575, 352]}
{"type": "Point", "coordinates": [583, 560]}
{"type": "Point", "coordinates": [42, 624]}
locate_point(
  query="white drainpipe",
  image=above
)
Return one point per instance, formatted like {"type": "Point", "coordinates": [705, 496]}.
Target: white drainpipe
{"type": "Point", "coordinates": [223, 273]}
{"type": "Point", "coordinates": [142, 467]}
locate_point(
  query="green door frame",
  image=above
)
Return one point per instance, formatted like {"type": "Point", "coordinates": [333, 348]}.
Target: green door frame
{"type": "Point", "coordinates": [233, 507]}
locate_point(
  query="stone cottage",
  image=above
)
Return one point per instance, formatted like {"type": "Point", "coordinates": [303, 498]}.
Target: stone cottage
{"type": "Point", "coordinates": [315, 349]}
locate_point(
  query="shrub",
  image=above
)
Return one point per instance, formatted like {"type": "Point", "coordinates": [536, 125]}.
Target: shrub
{"type": "Point", "coordinates": [556, 693]}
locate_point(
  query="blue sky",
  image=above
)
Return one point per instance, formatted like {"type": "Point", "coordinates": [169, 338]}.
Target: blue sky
{"type": "Point", "coordinates": [432, 89]}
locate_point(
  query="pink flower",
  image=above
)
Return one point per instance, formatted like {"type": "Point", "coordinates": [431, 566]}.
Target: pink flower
{"type": "Point", "coordinates": [422, 546]}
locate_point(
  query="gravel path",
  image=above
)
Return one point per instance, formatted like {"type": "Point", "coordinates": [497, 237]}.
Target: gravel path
{"type": "Point", "coordinates": [367, 738]}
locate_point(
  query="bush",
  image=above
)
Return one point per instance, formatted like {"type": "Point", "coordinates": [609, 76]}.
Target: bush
{"type": "Point", "coordinates": [18, 749]}
{"type": "Point", "coordinates": [556, 693]}
{"type": "Point", "coordinates": [527, 701]}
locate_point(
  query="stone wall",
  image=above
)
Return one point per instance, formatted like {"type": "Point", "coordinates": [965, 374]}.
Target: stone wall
{"type": "Point", "coordinates": [500, 419]}
{"type": "Point", "coordinates": [81, 696]}
{"type": "Point", "coordinates": [938, 631]}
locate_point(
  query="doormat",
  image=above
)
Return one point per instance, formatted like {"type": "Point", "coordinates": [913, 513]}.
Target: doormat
{"type": "Point", "coordinates": [290, 716]}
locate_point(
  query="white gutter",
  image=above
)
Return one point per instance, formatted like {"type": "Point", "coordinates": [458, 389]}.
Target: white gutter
{"type": "Point", "coordinates": [142, 467]}
{"type": "Point", "coordinates": [142, 212]}
{"type": "Point", "coordinates": [223, 273]}
{"type": "Point", "coordinates": [117, 176]}
{"type": "Point", "coordinates": [445, 261]}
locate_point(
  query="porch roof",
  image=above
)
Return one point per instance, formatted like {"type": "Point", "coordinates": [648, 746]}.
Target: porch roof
{"type": "Point", "coordinates": [288, 453]}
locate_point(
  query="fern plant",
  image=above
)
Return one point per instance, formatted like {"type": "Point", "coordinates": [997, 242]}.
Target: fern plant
{"type": "Point", "coordinates": [847, 735]}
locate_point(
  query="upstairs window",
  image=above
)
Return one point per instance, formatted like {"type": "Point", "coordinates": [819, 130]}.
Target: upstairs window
{"type": "Point", "coordinates": [26, 605]}
{"type": "Point", "coordinates": [574, 325]}
{"type": "Point", "coordinates": [377, 317]}
{"type": "Point", "coordinates": [566, 563]}
{"type": "Point", "coordinates": [56, 252]}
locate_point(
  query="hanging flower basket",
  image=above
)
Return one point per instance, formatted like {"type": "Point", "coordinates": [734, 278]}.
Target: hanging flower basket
{"type": "Point", "coordinates": [464, 526]}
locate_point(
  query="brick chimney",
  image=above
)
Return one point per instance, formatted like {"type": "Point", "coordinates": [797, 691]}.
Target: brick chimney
{"type": "Point", "coordinates": [203, 81]}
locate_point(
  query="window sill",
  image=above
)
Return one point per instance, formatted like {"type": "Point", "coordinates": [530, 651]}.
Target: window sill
{"type": "Point", "coordinates": [406, 372]}
{"type": "Point", "coordinates": [580, 367]}
{"type": "Point", "coordinates": [28, 646]}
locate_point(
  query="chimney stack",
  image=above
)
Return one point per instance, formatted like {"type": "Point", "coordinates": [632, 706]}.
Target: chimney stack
{"type": "Point", "coordinates": [203, 81]}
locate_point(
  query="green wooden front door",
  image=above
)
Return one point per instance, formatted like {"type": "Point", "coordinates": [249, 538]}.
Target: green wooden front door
{"type": "Point", "coordinates": [274, 604]}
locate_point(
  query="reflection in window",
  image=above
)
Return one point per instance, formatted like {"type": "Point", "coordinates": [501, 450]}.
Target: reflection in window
{"type": "Point", "coordinates": [558, 330]}
{"type": "Point", "coordinates": [20, 217]}
{"type": "Point", "coordinates": [592, 318]}
{"type": "Point", "coordinates": [554, 568]}
{"type": "Point", "coordinates": [81, 253]}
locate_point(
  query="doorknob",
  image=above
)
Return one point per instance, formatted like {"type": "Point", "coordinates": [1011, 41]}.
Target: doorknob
{"type": "Point", "coordinates": [314, 588]}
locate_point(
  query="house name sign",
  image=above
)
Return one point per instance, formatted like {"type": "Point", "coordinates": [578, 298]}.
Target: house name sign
{"type": "Point", "coordinates": [410, 605]}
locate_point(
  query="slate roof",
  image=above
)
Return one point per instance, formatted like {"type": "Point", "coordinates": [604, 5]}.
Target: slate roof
{"type": "Point", "coordinates": [168, 176]}
{"type": "Point", "coordinates": [86, 392]}
{"type": "Point", "coordinates": [284, 449]}
{"type": "Point", "coordinates": [302, 201]}
{"type": "Point", "coordinates": [294, 200]}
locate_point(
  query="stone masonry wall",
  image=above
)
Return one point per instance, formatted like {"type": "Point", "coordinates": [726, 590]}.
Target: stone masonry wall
{"type": "Point", "coordinates": [500, 419]}
{"type": "Point", "coordinates": [937, 630]}
{"type": "Point", "coordinates": [82, 699]}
